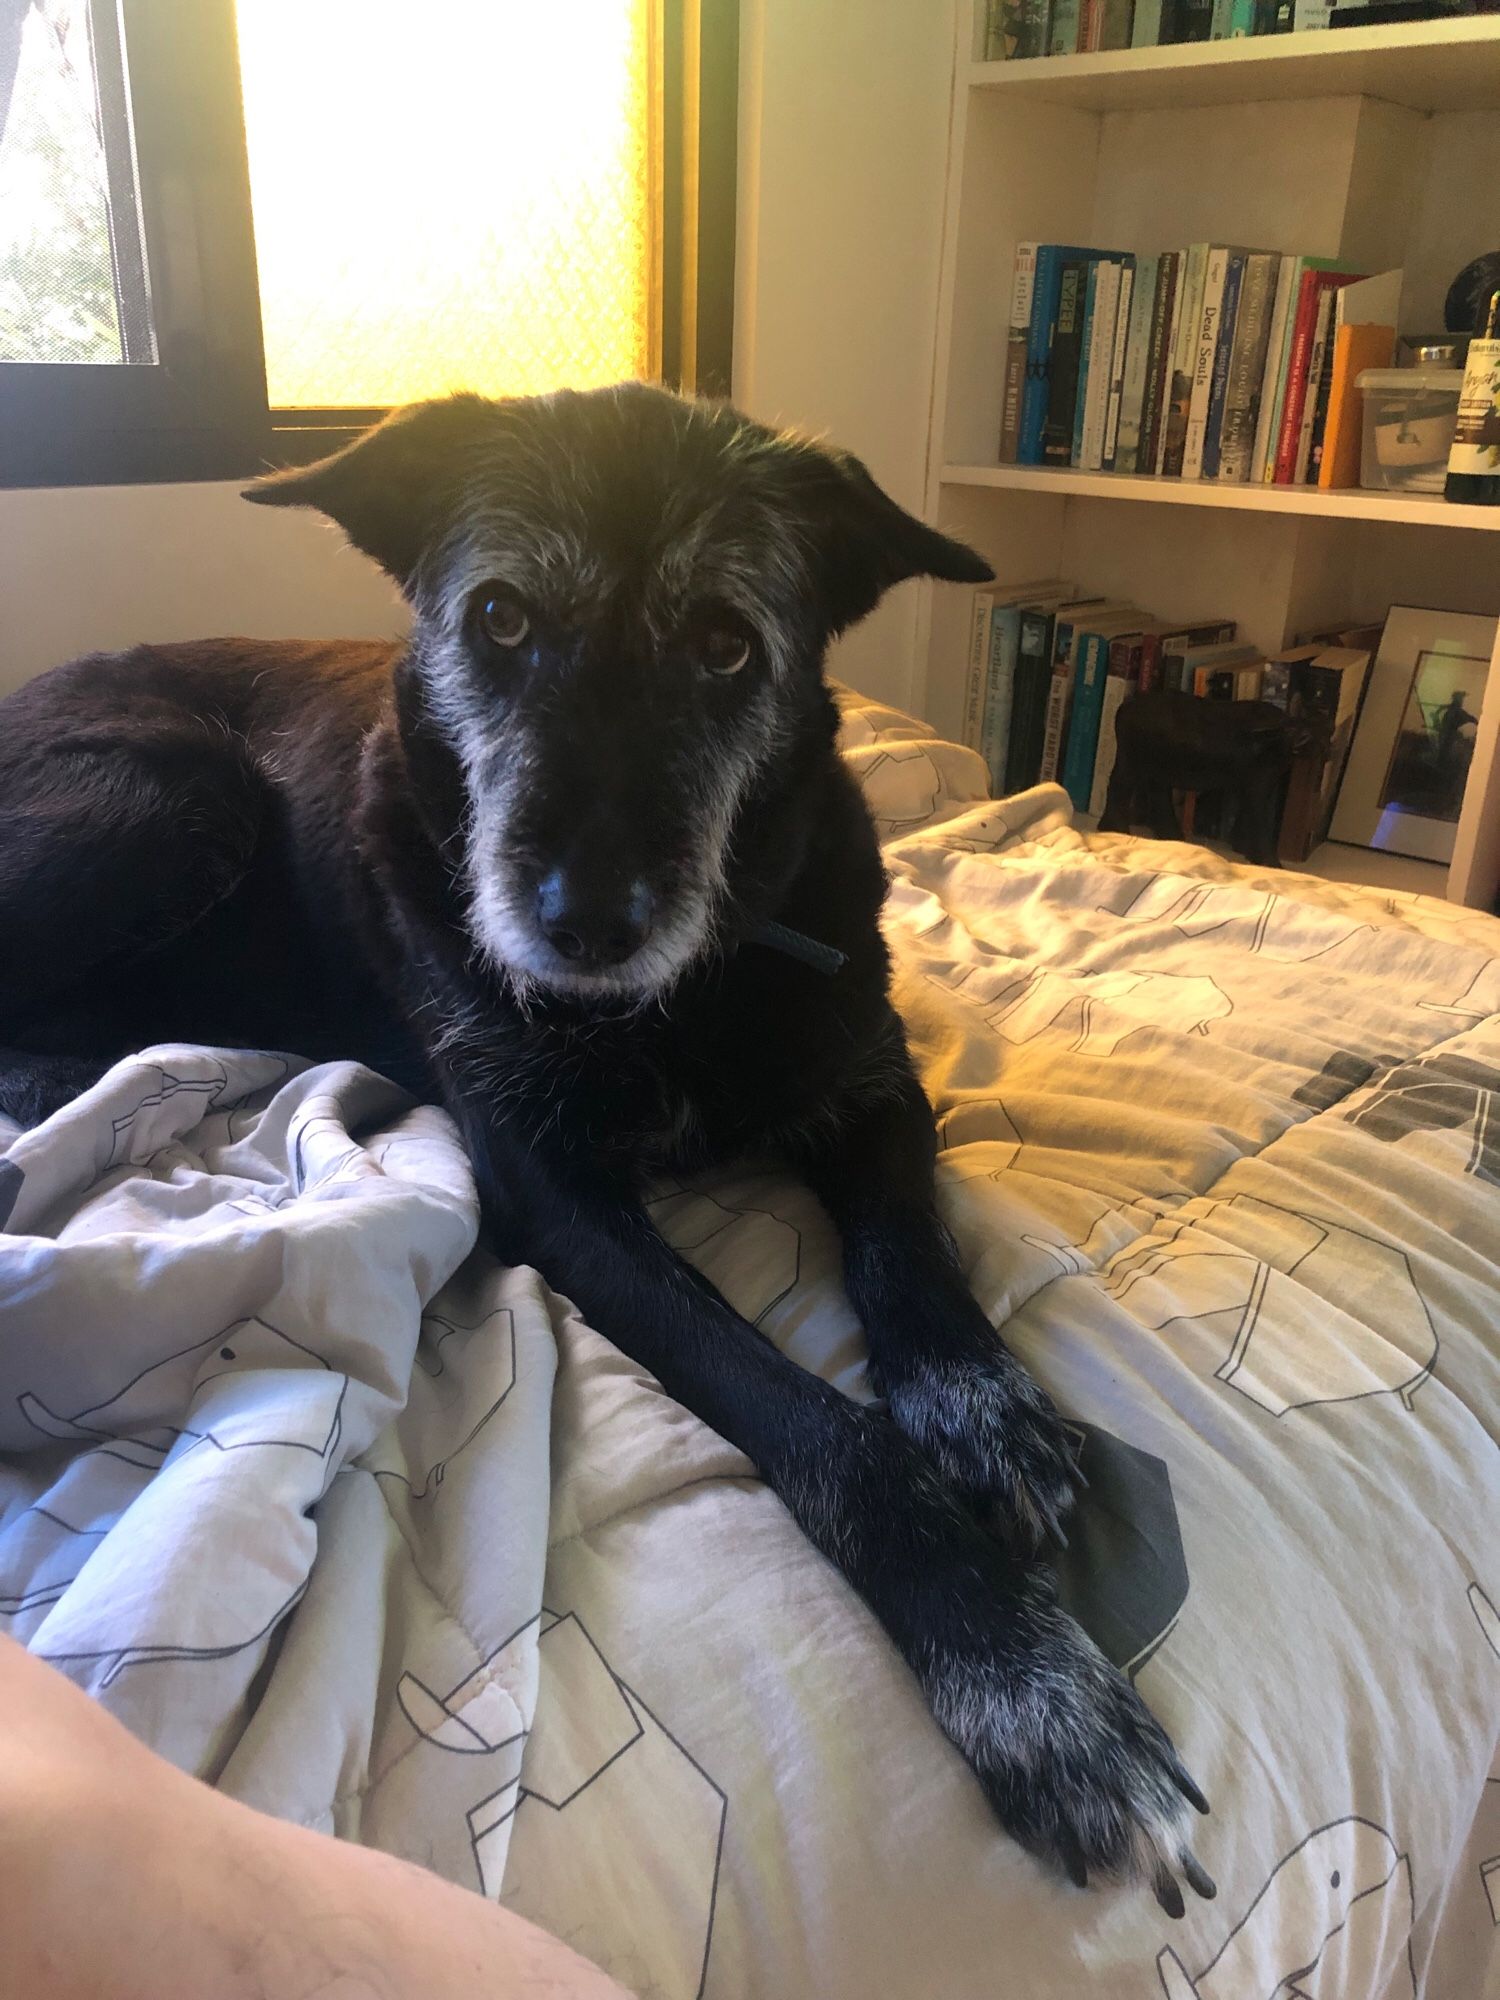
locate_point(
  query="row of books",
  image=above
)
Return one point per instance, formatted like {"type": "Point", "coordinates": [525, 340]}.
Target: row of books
{"type": "Point", "coordinates": [1213, 362]}
{"type": "Point", "coordinates": [1049, 667]}
{"type": "Point", "coordinates": [1022, 28]}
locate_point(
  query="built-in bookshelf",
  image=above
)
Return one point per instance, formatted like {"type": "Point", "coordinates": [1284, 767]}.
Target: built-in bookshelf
{"type": "Point", "coordinates": [1376, 146]}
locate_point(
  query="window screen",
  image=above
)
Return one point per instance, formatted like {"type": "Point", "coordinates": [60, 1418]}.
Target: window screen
{"type": "Point", "coordinates": [451, 195]}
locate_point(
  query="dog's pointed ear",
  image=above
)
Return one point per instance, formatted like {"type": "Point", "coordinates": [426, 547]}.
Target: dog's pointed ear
{"type": "Point", "coordinates": [869, 544]}
{"type": "Point", "coordinates": [388, 489]}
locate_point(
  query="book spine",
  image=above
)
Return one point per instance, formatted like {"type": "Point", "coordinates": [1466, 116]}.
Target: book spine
{"type": "Point", "coordinates": [1029, 710]}
{"type": "Point", "coordinates": [1059, 693]}
{"type": "Point", "coordinates": [1116, 24]}
{"type": "Point", "coordinates": [1145, 29]}
{"type": "Point", "coordinates": [1318, 428]}
{"type": "Point", "coordinates": [1204, 352]}
{"type": "Point", "coordinates": [1062, 35]}
{"type": "Point", "coordinates": [1218, 20]}
{"type": "Point", "coordinates": [1304, 329]}
{"type": "Point", "coordinates": [1229, 313]}
{"type": "Point", "coordinates": [1056, 725]}
{"type": "Point", "coordinates": [1185, 342]}
{"type": "Point", "coordinates": [1273, 380]}
{"type": "Point", "coordinates": [1241, 19]}
{"type": "Point", "coordinates": [1117, 366]}
{"type": "Point", "coordinates": [1158, 364]}
{"type": "Point", "coordinates": [1083, 730]}
{"type": "Point", "coordinates": [1177, 645]}
{"type": "Point", "coordinates": [1062, 376]}
{"type": "Point", "coordinates": [979, 639]}
{"type": "Point", "coordinates": [1116, 688]}
{"type": "Point", "coordinates": [1022, 290]}
{"type": "Point", "coordinates": [1356, 348]}
{"type": "Point", "coordinates": [1038, 353]}
{"type": "Point", "coordinates": [994, 735]}
{"type": "Point", "coordinates": [1191, 20]}
{"type": "Point", "coordinates": [1035, 26]}
{"type": "Point", "coordinates": [1315, 354]}
{"type": "Point", "coordinates": [1091, 315]}
{"type": "Point", "coordinates": [1015, 29]}
{"type": "Point", "coordinates": [1246, 368]}
{"type": "Point", "coordinates": [1137, 356]}
{"type": "Point", "coordinates": [1101, 360]}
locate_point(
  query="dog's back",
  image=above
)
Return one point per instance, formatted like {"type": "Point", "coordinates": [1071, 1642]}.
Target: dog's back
{"type": "Point", "coordinates": [175, 851]}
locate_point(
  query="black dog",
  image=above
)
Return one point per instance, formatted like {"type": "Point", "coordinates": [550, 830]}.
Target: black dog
{"type": "Point", "coordinates": [561, 861]}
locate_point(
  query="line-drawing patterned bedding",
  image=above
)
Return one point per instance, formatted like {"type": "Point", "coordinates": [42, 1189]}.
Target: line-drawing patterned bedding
{"type": "Point", "coordinates": [380, 1536]}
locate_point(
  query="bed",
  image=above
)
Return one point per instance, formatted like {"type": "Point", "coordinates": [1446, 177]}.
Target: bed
{"type": "Point", "coordinates": [378, 1536]}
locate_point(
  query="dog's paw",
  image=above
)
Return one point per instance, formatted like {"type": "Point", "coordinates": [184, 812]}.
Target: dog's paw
{"type": "Point", "coordinates": [1076, 1767]}
{"type": "Point", "coordinates": [996, 1439]}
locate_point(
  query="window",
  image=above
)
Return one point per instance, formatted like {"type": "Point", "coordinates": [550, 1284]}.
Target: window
{"type": "Point", "coordinates": [72, 269]}
{"type": "Point", "coordinates": [129, 340]}
{"type": "Point", "coordinates": [227, 242]}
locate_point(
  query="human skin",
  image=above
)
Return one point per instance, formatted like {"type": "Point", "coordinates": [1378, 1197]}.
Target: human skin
{"type": "Point", "coordinates": [122, 1878]}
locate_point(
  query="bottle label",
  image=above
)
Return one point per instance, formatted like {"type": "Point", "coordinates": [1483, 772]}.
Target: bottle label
{"type": "Point", "coordinates": [1476, 441]}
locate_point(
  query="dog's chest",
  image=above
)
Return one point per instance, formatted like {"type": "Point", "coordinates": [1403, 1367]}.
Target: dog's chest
{"type": "Point", "coordinates": [733, 1071]}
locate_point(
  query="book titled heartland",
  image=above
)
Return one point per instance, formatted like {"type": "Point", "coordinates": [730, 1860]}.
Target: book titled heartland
{"type": "Point", "coordinates": [1216, 361]}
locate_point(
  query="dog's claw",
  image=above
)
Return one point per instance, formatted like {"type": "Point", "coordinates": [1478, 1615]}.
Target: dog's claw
{"type": "Point", "coordinates": [1197, 1876]}
{"type": "Point", "coordinates": [1186, 1786]}
{"type": "Point", "coordinates": [1166, 1891]}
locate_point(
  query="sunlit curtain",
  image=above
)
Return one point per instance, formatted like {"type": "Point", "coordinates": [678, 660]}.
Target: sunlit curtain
{"type": "Point", "coordinates": [449, 194]}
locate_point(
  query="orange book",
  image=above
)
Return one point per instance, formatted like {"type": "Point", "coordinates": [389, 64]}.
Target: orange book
{"type": "Point", "coordinates": [1357, 348]}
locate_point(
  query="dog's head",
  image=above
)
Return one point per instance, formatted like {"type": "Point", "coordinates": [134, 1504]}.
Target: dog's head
{"type": "Point", "coordinates": [621, 603]}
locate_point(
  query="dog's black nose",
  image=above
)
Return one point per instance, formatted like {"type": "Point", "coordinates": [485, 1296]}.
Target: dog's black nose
{"type": "Point", "coordinates": [590, 926]}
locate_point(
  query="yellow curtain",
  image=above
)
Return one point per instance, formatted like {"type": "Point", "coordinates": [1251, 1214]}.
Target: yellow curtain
{"type": "Point", "coordinates": [449, 194]}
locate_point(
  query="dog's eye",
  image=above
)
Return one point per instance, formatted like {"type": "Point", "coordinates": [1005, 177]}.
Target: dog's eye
{"type": "Point", "coordinates": [725, 652]}
{"type": "Point", "coordinates": [502, 619]}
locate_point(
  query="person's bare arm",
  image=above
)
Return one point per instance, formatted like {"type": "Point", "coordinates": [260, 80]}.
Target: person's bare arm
{"type": "Point", "coordinates": [123, 1879]}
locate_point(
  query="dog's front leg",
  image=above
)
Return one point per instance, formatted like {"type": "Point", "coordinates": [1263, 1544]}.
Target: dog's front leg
{"type": "Point", "coordinates": [1072, 1762]}
{"type": "Point", "coordinates": [952, 1384]}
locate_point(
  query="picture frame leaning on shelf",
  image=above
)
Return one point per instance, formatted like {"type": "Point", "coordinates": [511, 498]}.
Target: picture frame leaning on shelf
{"type": "Point", "coordinates": [1403, 786]}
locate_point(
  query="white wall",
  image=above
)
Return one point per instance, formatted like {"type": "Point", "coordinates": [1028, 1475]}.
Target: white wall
{"type": "Point", "coordinates": [844, 132]}
{"type": "Point", "coordinates": [844, 108]}
{"type": "Point", "coordinates": [106, 566]}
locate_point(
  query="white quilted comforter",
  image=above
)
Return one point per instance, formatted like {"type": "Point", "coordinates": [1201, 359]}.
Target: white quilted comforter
{"type": "Point", "coordinates": [381, 1537]}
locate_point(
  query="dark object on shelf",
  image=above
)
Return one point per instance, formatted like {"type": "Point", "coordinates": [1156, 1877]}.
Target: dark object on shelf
{"type": "Point", "coordinates": [1431, 350]}
{"type": "Point", "coordinates": [1167, 742]}
{"type": "Point", "coordinates": [1186, 20]}
{"type": "Point", "coordinates": [1474, 461]}
{"type": "Point", "coordinates": [1467, 303]}
{"type": "Point", "coordinates": [1383, 13]}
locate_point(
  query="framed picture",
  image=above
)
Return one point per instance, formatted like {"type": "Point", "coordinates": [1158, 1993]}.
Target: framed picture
{"type": "Point", "coordinates": [1404, 783]}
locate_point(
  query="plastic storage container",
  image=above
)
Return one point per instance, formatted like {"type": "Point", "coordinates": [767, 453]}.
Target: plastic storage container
{"type": "Point", "coordinates": [1410, 415]}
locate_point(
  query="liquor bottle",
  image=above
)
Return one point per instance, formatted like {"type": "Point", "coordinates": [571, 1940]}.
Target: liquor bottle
{"type": "Point", "coordinates": [1474, 461]}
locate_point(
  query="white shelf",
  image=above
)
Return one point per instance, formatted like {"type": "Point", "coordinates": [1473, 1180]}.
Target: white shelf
{"type": "Point", "coordinates": [1372, 869]}
{"type": "Point", "coordinates": [1425, 65]}
{"type": "Point", "coordinates": [1410, 509]}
